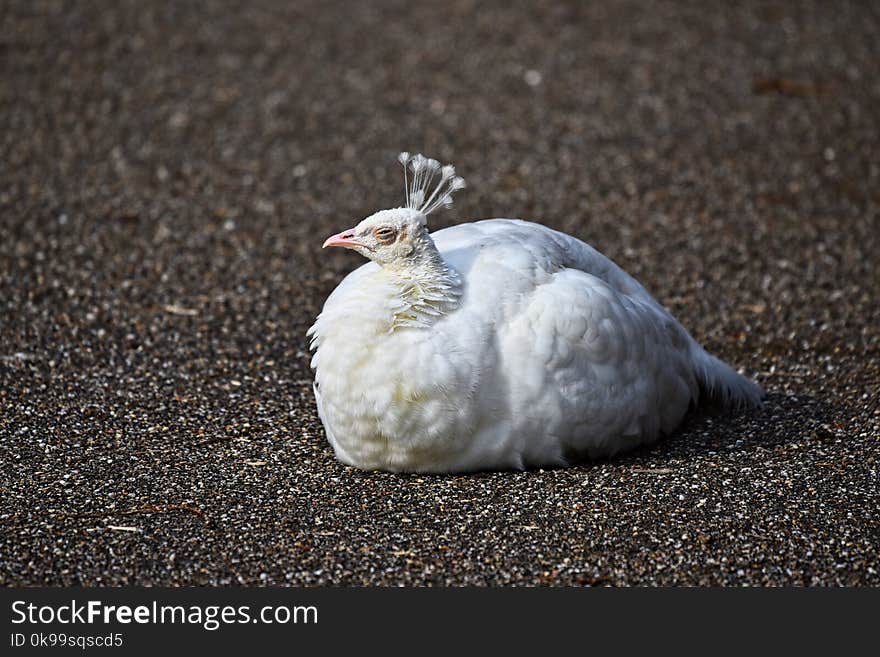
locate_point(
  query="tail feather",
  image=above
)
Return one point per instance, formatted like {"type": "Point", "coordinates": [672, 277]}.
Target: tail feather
{"type": "Point", "coordinates": [720, 382]}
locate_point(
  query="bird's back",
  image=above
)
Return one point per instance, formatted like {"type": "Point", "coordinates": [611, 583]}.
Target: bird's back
{"type": "Point", "coordinates": [529, 248]}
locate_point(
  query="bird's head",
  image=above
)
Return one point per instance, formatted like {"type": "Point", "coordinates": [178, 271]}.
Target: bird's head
{"type": "Point", "coordinates": [387, 237]}
{"type": "Point", "coordinates": [393, 238]}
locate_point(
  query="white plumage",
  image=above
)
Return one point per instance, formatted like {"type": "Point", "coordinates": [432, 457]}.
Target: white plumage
{"type": "Point", "coordinates": [496, 344]}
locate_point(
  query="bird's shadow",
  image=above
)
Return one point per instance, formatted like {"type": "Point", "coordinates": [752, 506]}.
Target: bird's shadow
{"type": "Point", "coordinates": [708, 429]}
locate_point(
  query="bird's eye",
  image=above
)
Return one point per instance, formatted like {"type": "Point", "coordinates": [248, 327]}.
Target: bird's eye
{"type": "Point", "coordinates": [385, 234]}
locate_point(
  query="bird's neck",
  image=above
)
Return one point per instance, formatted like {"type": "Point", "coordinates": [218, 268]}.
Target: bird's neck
{"type": "Point", "coordinates": [428, 288]}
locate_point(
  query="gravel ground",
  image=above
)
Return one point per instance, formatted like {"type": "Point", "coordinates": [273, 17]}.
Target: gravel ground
{"type": "Point", "coordinates": [167, 175]}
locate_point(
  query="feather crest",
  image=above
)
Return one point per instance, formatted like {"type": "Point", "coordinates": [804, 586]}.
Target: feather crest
{"type": "Point", "coordinates": [430, 184]}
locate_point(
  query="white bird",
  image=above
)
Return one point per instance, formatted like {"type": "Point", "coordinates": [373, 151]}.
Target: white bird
{"type": "Point", "coordinates": [498, 344]}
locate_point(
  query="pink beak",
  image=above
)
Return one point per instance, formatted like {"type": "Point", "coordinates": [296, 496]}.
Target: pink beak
{"type": "Point", "coordinates": [344, 239]}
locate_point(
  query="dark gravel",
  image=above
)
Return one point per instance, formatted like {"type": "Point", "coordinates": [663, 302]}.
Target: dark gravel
{"type": "Point", "coordinates": [169, 170]}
